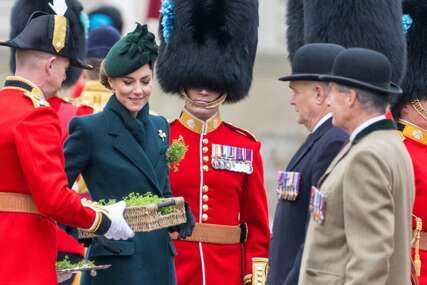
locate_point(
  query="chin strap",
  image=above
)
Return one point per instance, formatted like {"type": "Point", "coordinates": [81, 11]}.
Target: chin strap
{"type": "Point", "coordinates": [210, 105]}
{"type": "Point", "coordinates": [416, 104]}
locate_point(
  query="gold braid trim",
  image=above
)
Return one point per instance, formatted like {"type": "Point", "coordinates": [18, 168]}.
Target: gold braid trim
{"type": "Point", "coordinates": [259, 270]}
{"type": "Point", "coordinates": [99, 210]}
{"type": "Point", "coordinates": [417, 259]}
{"type": "Point", "coordinates": [59, 33]}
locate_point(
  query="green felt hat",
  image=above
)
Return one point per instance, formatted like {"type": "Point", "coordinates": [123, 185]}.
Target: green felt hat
{"type": "Point", "coordinates": [131, 52]}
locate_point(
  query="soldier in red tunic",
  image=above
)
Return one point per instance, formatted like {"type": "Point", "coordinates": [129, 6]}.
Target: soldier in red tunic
{"type": "Point", "coordinates": [33, 185]}
{"type": "Point", "coordinates": [207, 56]}
{"type": "Point", "coordinates": [410, 112]}
{"type": "Point", "coordinates": [21, 12]}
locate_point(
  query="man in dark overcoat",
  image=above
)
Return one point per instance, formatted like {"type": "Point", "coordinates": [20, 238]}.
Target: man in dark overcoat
{"type": "Point", "coordinates": [309, 162]}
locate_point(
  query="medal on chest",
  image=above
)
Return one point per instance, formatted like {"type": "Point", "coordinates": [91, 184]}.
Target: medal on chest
{"type": "Point", "coordinates": [317, 205]}
{"type": "Point", "coordinates": [288, 185]}
{"type": "Point", "coordinates": [232, 158]}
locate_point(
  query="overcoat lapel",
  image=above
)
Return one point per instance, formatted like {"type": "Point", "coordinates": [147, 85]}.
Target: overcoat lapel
{"type": "Point", "coordinates": [308, 144]}
{"type": "Point", "coordinates": [126, 144]}
{"type": "Point", "coordinates": [334, 163]}
{"type": "Point", "coordinates": [154, 146]}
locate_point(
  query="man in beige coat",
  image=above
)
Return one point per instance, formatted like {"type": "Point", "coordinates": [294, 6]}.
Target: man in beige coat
{"type": "Point", "coordinates": [360, 226]}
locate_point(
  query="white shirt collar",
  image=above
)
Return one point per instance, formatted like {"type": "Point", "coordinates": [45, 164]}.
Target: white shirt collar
{"type": "Point", "coordinates": [366, 124]}
{"type": "Point", "coordinates": [321, 121]}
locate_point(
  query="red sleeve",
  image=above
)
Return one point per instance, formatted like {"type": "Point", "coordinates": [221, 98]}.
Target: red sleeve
{"type": "Point", "coordinates": [67, 243]}
{"type": "Point", "coordinates": [38, 144]}
{"type": "Point", "coordinates": [84, 110]}
{"type": "Point", "coordinates": [254, 212]}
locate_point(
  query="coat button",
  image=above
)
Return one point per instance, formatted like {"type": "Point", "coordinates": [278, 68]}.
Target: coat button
{"type": "Point", "coordinates": [205, 149]}
{"type": "Point", "coordinates": [205, 188]}
{"type": "Point", "coordinates": [205, 158]}
{"type": "Point", "coordinates": [205, 141]}
{"type": "Point", "coordinates": [205, 198]}
{"type": "Point", "coordinates": [205, 217]}
{"type": "Point", "coordinates": [205, 168]}
{"type": "Point", "coordinates": [205, 208]}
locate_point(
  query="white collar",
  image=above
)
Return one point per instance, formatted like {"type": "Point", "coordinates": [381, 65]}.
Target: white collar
{"type": "Point", "coordinates": [321, 121]}
{"type": "Point", "coordinates": [366, 124]}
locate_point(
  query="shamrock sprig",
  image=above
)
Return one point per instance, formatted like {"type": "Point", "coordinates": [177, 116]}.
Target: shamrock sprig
{"type": "Point", "coordinates": [176, 153]}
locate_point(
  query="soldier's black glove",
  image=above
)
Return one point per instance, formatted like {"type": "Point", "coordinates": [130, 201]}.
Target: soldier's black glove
{"type": "Point", "coordinates": [186, 229]}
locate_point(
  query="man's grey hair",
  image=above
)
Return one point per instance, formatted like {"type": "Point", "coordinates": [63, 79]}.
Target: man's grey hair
{"type": "Point", "coordinates": [372, 102]}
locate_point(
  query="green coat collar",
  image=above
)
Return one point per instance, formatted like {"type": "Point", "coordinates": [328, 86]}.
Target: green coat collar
{"type": "Point", "coordinates": [380, 125]}
{"type": "Point", "coordinates": [125, 142]}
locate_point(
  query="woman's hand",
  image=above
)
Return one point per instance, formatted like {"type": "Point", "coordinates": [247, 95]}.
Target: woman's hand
{"type": "Point", "coordinates": [185, 230]}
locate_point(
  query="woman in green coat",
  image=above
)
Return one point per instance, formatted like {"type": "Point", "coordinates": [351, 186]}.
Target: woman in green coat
{"type": "Point", "coordinates": [122, 150]}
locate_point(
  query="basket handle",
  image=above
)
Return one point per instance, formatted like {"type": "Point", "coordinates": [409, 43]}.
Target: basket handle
{"type": "Point", "coordinates": [171, 202]}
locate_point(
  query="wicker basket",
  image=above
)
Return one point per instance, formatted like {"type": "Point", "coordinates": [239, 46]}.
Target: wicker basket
{"type": "Point", "coordinates": [149, 218]}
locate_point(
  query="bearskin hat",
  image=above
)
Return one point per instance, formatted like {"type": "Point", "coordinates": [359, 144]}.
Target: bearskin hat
{"type": "Point", "coordinates": [372, 24]}
{"type": "Point", "coordinates": [208, 44]}
{"type": "Point", "coordinates": [23, 9]}
{"type": "Point", "coordinates": [295, 26]}
{"type": "Point", "coordinates": [414, 84]}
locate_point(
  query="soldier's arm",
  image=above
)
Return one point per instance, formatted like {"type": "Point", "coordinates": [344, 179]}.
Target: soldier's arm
{"type": "Point", "coordinates": [76, 150]}
{"type": "Point", "coordinates": [38, 144]}
{"type": "Point", "coordinates": [368, 219]}
{"type": "Point", "coordinates": [254, 212]}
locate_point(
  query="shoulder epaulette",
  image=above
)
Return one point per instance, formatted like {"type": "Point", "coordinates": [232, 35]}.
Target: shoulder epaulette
{"type": "Point", "coordinates": [413, 132]}
{"type": "Point", "coordinates": [27, 88]}
{"type": "Point", "coordinates": [241, 131]}
{"type": "Point", "coordinates": [36, 99]}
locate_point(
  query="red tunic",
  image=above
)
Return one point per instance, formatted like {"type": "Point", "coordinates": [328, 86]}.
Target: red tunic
{"type": "Point", "coordinates": [218, 197]}
{"type": "Point", "coordinates": [32, 163]}
{"type": "Point", "coordinates": [66, 111]}
{"type": "Point", "coordinates": [416, 143]}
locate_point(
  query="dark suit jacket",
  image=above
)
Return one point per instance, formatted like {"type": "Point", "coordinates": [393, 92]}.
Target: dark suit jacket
{"type": "Point", "coordinates": [114, 164]}
{"type": "Point", "coordinates": [289, 226]}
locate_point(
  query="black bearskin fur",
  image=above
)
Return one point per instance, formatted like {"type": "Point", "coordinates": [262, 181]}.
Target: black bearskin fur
{"type": "Point", "coordinates": [23, 9]}
{"type": "Point", "coordinates": [213, 45]}
{"type": "Point", "coordinates": [373, 24]}
{"type": "Point", "coordinates": [295, 26]}
{"type": "Point", "coordinates": [415, 82]}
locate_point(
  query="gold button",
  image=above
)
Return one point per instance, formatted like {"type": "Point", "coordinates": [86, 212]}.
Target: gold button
{"type": "Point", "coordinates": [205, 208]}
{"type": "Point", "coordinates": [205, 168]}
{"type": "Point", "coordinates": [205, 198]}
{"type": "Point", "coordinates": [205, 188]}
{"type": "Point", "coordinates": [205, 149]}
{"type": "Point", "coordinates": [205, 217]}
{"type": "Point", "coordinates": [205, 141]}
{"type": "Point", "coordinates": [205, 158]}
